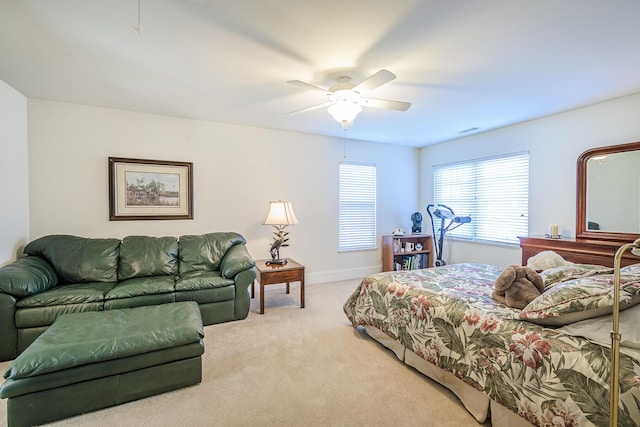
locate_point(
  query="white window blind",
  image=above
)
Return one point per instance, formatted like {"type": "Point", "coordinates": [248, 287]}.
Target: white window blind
{"type": "Point", "coordinates": [357, 207]}
{"type": "Point", "coordinates": [493, 191]}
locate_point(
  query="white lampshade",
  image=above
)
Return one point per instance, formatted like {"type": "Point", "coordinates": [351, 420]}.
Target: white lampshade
{"type": "Point", "coordinates": [344, 111]}
{"type": "Point", "coordinates": [280, 213]}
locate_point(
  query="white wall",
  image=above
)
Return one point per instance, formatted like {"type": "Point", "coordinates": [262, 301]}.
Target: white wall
{"type": "Point", "coordinates": [554, 144]}
{"type": "Point", "coordinates": [237, 171]}
{"type": "Point", "coordinates": [14, 209]}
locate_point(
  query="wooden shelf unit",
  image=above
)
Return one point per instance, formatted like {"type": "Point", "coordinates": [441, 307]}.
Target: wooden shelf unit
{"type": "Point", "coordinates": [389, 257]}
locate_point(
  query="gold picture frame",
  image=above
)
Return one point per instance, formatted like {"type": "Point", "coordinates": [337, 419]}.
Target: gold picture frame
{"type": "Point", "coordinates": [141, 189]}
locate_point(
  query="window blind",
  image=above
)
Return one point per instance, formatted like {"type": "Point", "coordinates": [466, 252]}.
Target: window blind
{"type": "Point", "coordinates": [357, 207]}
{"type": "Point", "coordinates": [493, 191]}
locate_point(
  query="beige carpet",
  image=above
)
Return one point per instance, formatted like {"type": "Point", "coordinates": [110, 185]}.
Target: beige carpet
{"type": "Point", "coordinates": [292, 367]}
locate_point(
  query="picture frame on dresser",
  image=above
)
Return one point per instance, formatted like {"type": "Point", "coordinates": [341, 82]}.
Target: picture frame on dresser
{"type": "Point", "coordinates": [143, 189]}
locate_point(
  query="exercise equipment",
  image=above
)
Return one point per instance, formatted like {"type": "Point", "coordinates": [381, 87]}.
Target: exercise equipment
{"type": "Point", "coordinates": [448, 221]}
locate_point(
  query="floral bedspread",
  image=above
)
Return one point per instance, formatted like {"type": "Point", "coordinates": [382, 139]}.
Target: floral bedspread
{"type": "Point", "coordinates": [446, 315]}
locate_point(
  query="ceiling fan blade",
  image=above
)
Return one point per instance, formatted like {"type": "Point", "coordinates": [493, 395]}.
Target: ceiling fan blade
{"type": "Point", "coordinates": [374, 81]}
{"type": "Point", "coordinates": [386, 104]}
{"type": "Point", "coordinates": [313, 107]}
{"type": "Point", "coordinates": [305, 85]}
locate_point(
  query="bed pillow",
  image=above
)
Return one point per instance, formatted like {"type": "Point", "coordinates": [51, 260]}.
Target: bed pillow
{"type": "Point", "coordinates": [553, 276]}
{"type": "Point", "coordinates": [580, 299]}
{"type": "Point", "coordinates": [599, 330]}
{"type": "Point", "coordinates": [631, 269]}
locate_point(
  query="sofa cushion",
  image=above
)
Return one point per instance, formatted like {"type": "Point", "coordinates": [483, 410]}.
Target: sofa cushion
{"type": "Point", "coordinates": [197, 280]}
{"type": "Point", "coordinates": [142, 286]}
{"type": "Point", "coordinates": [69, 294]}
{"type": "Point", "coordinates": [78, 259]}
{"type": "Point", "coordinates": [204, 252]}
{"type": "Point", "coordinates": [142, 256]}
{"type": "Point", "coordinates": [206, 296]}
{"type": "Point", "coordinates": [44, 316]}
{"type": "Point", "coordinates": [27, 276]}
{"type": "Point", "coordinates": [139, 301]}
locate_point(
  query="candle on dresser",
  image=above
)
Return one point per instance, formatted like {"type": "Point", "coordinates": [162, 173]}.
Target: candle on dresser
{"type": "Point", "coordinates": [553, 230]}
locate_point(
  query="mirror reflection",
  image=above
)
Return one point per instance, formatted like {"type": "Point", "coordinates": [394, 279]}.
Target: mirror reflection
{"type": "Point", "coordinates": [613, 192]}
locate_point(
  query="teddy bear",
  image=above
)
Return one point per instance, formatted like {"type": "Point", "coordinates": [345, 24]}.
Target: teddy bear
{"type": "Point", "coordinates": [517, 286]}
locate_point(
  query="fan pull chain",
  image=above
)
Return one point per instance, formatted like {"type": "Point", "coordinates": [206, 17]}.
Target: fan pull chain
{"type": "Point", "coordinates": [138, 27]}
{"type": "Point", "coordinates": [344, 143]}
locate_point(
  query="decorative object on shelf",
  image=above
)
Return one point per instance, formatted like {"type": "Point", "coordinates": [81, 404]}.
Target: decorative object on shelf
{"type": "Point", "coordinates": [416, 228]}
{"type": "Point", "coordinates": [150, 189]}
{"type": "Point", "coordinates": [616, 337]}
{"type": "Point", "coordinates": [280, 215]}
{"type": "Point", "coordinates": [418, 246]}
{"type": "Point", "coordinates": [399, 232]}
{"type": "Point", "coordinates": [554, 232]}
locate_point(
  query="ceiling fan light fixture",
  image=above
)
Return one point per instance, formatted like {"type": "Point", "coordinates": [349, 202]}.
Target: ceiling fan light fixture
{"type": "Point", "coordinates": [346, 99]}
{"type": "Point", "coordinates": [344, 112]}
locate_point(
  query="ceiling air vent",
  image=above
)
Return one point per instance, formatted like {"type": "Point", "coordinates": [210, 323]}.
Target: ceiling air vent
{"type": "Point", "coordinates": [468, 130]}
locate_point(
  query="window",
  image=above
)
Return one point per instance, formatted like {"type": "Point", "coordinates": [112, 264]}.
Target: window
{"type": "Point", "coordinates": [357, 216]}
{"type": "Point", "coordinates": [493, 191]}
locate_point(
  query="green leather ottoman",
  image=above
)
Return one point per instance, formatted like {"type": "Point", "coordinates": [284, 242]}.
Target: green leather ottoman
{"type": "Point", "coordinates": [88, 361]}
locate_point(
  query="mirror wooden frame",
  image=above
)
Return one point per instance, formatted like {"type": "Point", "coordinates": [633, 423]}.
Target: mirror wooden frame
{"type": "Point", "coordinates": [581, 196]}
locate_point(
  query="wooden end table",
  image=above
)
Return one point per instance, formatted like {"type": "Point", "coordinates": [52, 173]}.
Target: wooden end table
{"type": "Point", "coordinates": [272, 274]}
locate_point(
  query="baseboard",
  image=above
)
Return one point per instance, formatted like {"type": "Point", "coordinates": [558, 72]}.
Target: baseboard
{"type": "Point", "coordinates": [339, 275]}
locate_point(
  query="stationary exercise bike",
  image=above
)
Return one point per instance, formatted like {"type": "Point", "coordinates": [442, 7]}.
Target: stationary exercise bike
{"type": "Point", "coordinates": [448, 221]}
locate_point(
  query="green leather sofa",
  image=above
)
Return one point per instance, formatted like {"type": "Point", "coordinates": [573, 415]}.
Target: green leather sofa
{"type": "Point", "coordinates": [69, 274]}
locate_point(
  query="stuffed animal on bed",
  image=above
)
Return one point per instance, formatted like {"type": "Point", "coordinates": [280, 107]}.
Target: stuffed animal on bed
{"type": "Point", "coordinates": [517, 286]}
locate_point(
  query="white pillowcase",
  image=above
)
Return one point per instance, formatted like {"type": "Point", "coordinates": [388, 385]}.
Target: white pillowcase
{"type": "Point", "coordinates": [598, 329]}
{"type": "Point", "coordinates": [546, 259]}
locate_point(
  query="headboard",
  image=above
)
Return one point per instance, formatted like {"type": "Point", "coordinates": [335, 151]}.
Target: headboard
{"type": "Point", "coordinates": [580, 251]}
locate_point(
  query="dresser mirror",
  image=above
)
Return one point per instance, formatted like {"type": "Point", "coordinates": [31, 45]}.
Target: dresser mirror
{"type": "Point", "coordinates": [608, 199]}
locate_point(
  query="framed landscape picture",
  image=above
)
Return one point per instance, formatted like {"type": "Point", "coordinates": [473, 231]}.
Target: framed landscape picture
{"type": "Point", "coordinates": [150, 189]}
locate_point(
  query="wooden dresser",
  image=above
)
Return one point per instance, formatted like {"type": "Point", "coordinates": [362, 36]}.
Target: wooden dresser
{"type": "Point", "coordinates": [581, 251]}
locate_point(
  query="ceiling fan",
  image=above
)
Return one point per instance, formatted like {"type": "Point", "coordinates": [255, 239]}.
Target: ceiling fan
{"type": "Point", "coordinates": [346, 99]}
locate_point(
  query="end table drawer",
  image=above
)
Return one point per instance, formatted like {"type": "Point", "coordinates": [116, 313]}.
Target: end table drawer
{"type": "Point", "coordinates": [272, 277]}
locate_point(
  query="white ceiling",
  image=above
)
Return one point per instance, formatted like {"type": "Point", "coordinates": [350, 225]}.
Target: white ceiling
{"type": "Point", "coordinates": [462, 64]}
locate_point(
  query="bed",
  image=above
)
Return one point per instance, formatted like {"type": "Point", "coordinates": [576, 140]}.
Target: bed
{"type": "Point", "coordinates": [542, 365]}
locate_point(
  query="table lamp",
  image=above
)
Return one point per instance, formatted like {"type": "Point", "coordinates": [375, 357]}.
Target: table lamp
{"type": "Point", "coordinates": [280, 215]}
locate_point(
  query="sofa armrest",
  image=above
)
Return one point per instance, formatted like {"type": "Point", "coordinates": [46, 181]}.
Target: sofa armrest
{"type": "Point", "coordinates": [243, 299]}
{"type": "Point", "coordinates": [236, 260]}
{"type": "Point", "coordinates": [8, 330]}
{"type": "Point", "coordinates": [27, 276]}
